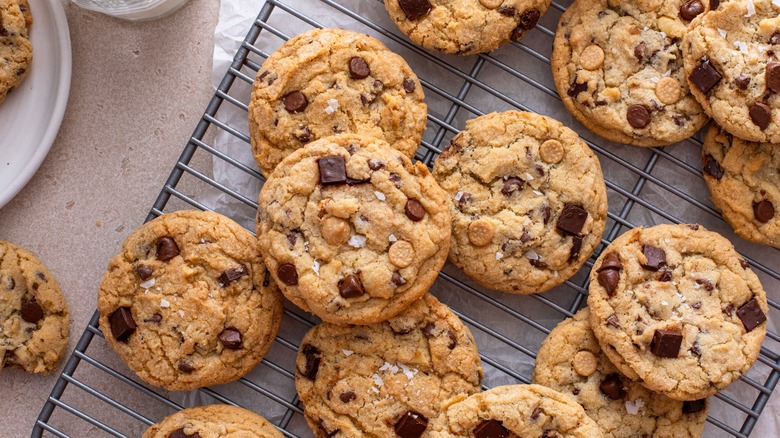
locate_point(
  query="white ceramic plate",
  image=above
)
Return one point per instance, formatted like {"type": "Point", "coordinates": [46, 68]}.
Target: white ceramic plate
{"type": "Point", "coordinates": [31, 114]}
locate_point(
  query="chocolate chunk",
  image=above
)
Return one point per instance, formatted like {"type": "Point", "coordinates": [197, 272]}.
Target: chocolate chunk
{"type": "Point", "coordinates": [536, 412]}
{"type": "Point", "coordinates": [295, 102]}
{"type": "Point", "coordinates": [185, 366]}
{"type": "Point", "coordinates": [612, 321]}
{"type": "Point", "coordinates": [409, 85]}
{"type": "Point", "coordinates": [742, 82]}
{"type": "Point", "coordinates": [358, 68]}
{"type": "Point", "coordinates": [350, 287]}
{"type": "Point", "coordinates": [397, 279]}
{"type": "Point", "coordinates": [427, 330]}
{"type": "Point", "coordinates": [690, 9]}
{"type": "Point", "coordinates": [704, 77]}
{"type": "Point", "coordinates": [287, 274]}
{"type": "Point", "coordinates": [575, 89]}
{"type": "Point", "coordinates": [31, 311]}
{"type": "Point", "coordinates": [231, 338]}
{"type": "Point", "coordinates": [773, 76]}
{"type": "Point", "coordinates": [775, 38]}
{"type": "Point", "coordinates": [312, 361]}
{"type": "Point", "coordinates": [529, 18]}
{"type": "Point", "coordinates": [414, 210]}
{"type": "Point", "coordinates": [179, 433]}
{"type": "Point", "coordinates": [760, 114]}
{"type": "Point", "coordinates": [304, 136]}
{"type": "Point", "coordinates": [656, 257]}
{"type": "Point", "coordinates": [610, 261]}
{"type": "Point", "coordinates": [612, 387]}
{"type": "Point", "coordinates": [232, 275]}
{"type": "Point", "coordinates": [122, 323]}
{"type": "Point", "coordinates": [712, 167]}
{"type": "Point", "coordinates": [576, 246]}
{"type": "Point", "coordinates": [546, 214]}
{"type": "Point", "coordinates": [679, 119]}
{"type": "Point", "coordinates": [695, 347]}
{"type": "Point", "coordinates": [414, 9]}
{"type": "Point", "coordinates": [609, 279]}
{"type": "Point", "coordinates": [411, 425]}
{"type": "Point", "coordinates": [744, 263]}
{"type": "Point", "coordinates": [572, 219]}
{"type": "Point", "coordinates": [453, 339]}
{"type": "Point", "coordinates": [41, 276]}
{"type": "Point", "coordinates": [333, 170]}
{"type": "Point", "coordinates": [507, 10]}
{"type": "Point", "coordinates": [763, 211]}
{"type": "Point", "coordinates": [154, 319]}
{"type": "Point", "coordinates": [751, 314]}
{"type": "Point", "coordinates": [714, 4]}
{"type": "Point", "coordinates": [706, 283]}
{"type": "Point", "coordinates": [665, 276]}
{"type": "Point", "coordinates": [143, 271]}
{"type": "Point", "coordinates": [511, 185]}
{"type": "Point", "coordinates": [638, 116]}
{"type": "Point", "coordinates": [728, 310]}
{"type": "Point", "coordinates": [666, 343]}
{"type": "Point", "coordinates": [166, 248]}
{"type": "Point", "coordinates": [693, 406]}
{"type": "Point", "coordinates": [347, 396]}
{"type": "Point", "coordinates": [537, 263]}
{"type": "Point", "coordinates": [490, 429]}
{"type": "Point", "coordinates": [375, 164]}
{"type": "Point", "coordinates": [639, 50]}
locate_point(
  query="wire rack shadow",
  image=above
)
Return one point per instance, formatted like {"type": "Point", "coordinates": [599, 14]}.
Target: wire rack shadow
{"type": "Point", "coordinates": [96, 395]}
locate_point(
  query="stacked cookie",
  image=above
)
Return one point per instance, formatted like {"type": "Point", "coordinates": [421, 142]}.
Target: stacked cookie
{"type": "Point", "coordinates": [15, 47]}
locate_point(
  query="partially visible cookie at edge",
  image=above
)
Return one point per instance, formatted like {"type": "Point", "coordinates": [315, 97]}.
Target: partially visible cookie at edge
{"type": "Point", "coordinates": [213, 421]}
{"type": "Point", "coordinates": [15, 49]}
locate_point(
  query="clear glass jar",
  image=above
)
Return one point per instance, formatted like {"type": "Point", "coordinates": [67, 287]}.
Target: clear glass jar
{"type": "Point", "coordinates": [135, 10]}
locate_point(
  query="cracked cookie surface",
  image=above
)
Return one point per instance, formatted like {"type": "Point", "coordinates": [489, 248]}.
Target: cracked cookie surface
{"type": "Point", "coordinates": [353, 231]}
{"type": "Point", "coordinates": [386, 379]}
{"type": "Point", "coordinates": [465, 27]}
{"type": "Point", "coordinates": [34, 322]}
{"type": "Point", "coordinates": [527, 199]}
{"type": "Point", "coordinates": [213, 421]}
{"type": "Point", "coordinates": [570, 360]}
{"type": "Point", "coordinates": [676, 308]}
{"type": "Point", "coordinates": [618, 69]}
{"type": "Point", "coordinates": [331, 81]}
{"type": "Point", "coordinates": [733, 69]}
{"type": "Point", "coordinates": [528, 411]}
{"type": "Point", "coordinates": [188, 303]}
{"type": "Point", "coordinates": [15, 47]}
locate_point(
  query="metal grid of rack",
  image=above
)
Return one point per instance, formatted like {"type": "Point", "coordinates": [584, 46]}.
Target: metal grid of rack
{"type": "Point", "coordinates": [645, 186]}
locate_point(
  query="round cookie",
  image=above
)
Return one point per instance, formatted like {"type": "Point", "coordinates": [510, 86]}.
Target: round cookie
{"type": "Point", "coordinates": [33, 314]}
{"type": "Point", "coordinates": [733, 70]}
{"type": "Point", "coordinates": [515, 410]}
{"type": "Point", "coordinates": [571, 361]}
{"type": "Point", "coordinates": [465, 27]}
{"type": "Point", "coordinates": [352, 230]}
{"type": "Point", "coordinates": [744, 184]}
{"type": "Point", "coordinates": [188, 303]}
{"type": "Point", "coordinates": [528, 201]}
{"type": "Point", "coordinates": [213, 421]}
{"type": "Point", "coordinates": [15, 48]}
{"type": "Point", "coordinates": [386, 379]}
{"type": "Point", "coordinates": [676, 308]}
{"type": "Point", "coordinates": [617, 68]}
{"type": "Point", "coordinates": [331, 81]}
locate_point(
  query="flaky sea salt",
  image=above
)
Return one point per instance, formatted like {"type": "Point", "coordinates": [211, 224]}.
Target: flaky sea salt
{"type": "Point", "coordinates": [388, 366]}
{"type": "Point", "coordinates": [667, 73]}
{"type": "Point", "coordinates": [458, 196]}
{"type": "Point", "coordinates": [741, 46]}
{"type": "Point", "coordinates": [181, 313]}
{"type": "Point", "coordinates": [528, 176]}
{"type": "Point", "coordinates": [392, 238]}
{"type": "Point", "coordinates": [148, 283]}
{"type": "Point", "coordinates": [333, 106]}
{"type": "Point", "coordinates": [633, 407]}
{"type": "Point", "coordinates": [377, 380]}
{"type": "Point", "coordinates": [499, 256]}
{"type": "Point", "coordinates": [357, 241]}
{"type": "Point", "coordinates": [751, 9]}
{"type": "Point", "coordinates": [532, 255]}
{"type": "Point", "coordinates": [538, 193]}
{"type": "Point", "coordinates": [380, 196]}
{"type": "Point", "coordinates": [316, 267]}
{"type": "Point", "coordinates": [165, 303]}
{"type": "Point", "coordinates": [722, 32]}
{"type": "Point", "coordinates": [347, 353]}
{"type": "Point", "coordinates": [408, 372]}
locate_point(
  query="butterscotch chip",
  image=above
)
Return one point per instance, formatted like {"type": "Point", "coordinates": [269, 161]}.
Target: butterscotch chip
{"type": "Point", "coordinates": [491, 4]}
{"type": "Point", "coordinates": [401, 254]}
{"type": "Point", "coordinates": [481, 232]}
{"type": "Point", "coordinates": [584, 363]}
{"type": "Point", "coordinates": [592, 57]}
{"type": "Point", "coordinates": [551, 151]}
{"type": "Point", "coordinates": [335, 231]}
{"type": "Point", "coordinates": [668, 90]}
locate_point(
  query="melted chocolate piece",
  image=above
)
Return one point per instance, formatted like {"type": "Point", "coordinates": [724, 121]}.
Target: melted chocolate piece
{"type": "Point", "coordinates": [638, 116]}
{"type": "Point", "coordinates": [704, 77]}
{"type": "Point", "coordinates": [185, 366]}
{"type": "Point", "coordinates": [295, 102]}
{"type": "Point", "coordinates": [156, 318]}
{"type": "Point", "coordinates": [122, 324]}
{"type": "Point", "coordinates": [742, 81]}
{"type": "Point", "coordinates": [609, 279]}
{"type": "Point", "coordinates": [347, 396]}
{"type": "Point", "coordinates": [610, 261]}
{"type": "Point", "coordinates": [166, 248]}
{"type": "Point", "coordinates": [358, 68]}
{"type": "Point", "coordinates": [333, 170]}
{"type": "Point", "coordinates": [232, 275]}
{"type": "Point", "coordinates": [763, 211]}
{"type": "Point", "coordinates": [712, 167]}
{"type": "Point", "coordinates": [414, 210]}
{"type": "Point", "coordinates": [490, 429]}
{"type": "Point", "coordinates": [760, 114]}
{"type": "Point", "coordinates": [751, 314]}
{"type": "Point", "coordinates": [414, 9]}
{"type": "Point", "coordinates": [690, 9]}
{"type": "Point", "coordinates": [312, 361]}
{"type": "Point", "coordinates": [773, 76]}
{"type": "Point", "coordinates": [31, 311]}
{"type": "Point", "coordinates": [572, 219]}
{"type": "Point", "coordinates": [612, 387]}
{"type": "Point", "coordinates": [143, 271]}
{"type": "Point", "coordinates": [656, 257]}
{"type": "Point", "coordinates": [409, 86]}
{"type": "Point", "coordinates": [179, 433]}
{"type": "Point", "coordinates": [512, 184]}
{"type": "Point", "coordinates": [693, 406]}
{"type": "Point", "coordinates": [350, 287]}
{"type": "Point", "coordinates": [576, 246]}
{"type": "Point", "coordinates": [287, 274]}
{"type": "Point", "coordinates": [231, 338]}
{"type": "Point", "coordinates": [397, 279]}
{"type": "Point", "coordinates": [666, 343]}
{"type": "Point", "coordinates": [575, 89]}
{"type": "Point", "coordinates": [411, 425]}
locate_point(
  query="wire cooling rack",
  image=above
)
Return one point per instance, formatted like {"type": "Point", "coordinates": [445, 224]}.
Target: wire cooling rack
{"type": "Point", "coordinates": [96, 395]}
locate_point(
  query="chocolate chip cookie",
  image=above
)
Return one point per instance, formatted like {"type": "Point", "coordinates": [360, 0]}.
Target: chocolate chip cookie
{"type": "Point", "coordinates": [352, 230]}
{"type": "Point", "coordinates": [33, 315]}
{"type": "Point", "coordinates": [570, 360]}
{"type": "Point", "coordinates": [465, 27]}
{"type": "Point", "coordinates": [733, 70]}
{"type": "Point", "coordinates": [24, 7]}
{"type": "Point", "coordinates": [213, 421]}
{"type": "Point", "coordinates": [15, 48]}
{"type": "Point", "coordinates": [188, 302]}
{"type": "Point", "coordinates": [676, 308]}
{"type": "Point", "coordinates": [744, 184]}
{"type": "Point", "coordinates": [515, 411]}
{"type": "Point", "coordinates": [618, 69]}
{"type": "Point", "coordinates": [386, 379]}
{"type": "Point", "coordinates": [527, 199]}
{"type": "Point", "coordinates": [331, 81]}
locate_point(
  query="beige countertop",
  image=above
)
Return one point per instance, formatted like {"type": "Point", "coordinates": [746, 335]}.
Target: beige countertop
{"type": "Point", "coordinates": [137, 92]}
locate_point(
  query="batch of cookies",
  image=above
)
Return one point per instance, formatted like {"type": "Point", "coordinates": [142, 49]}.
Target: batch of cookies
{"type": "Point", "coordinates": [350, 229]}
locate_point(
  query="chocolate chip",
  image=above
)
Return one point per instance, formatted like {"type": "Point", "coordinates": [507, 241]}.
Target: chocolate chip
{"type": "Point", "coordinates": [312, 361]}
{"type": "Point", "coordinates": [695, 349]}
{"type": "Point", "coordinates": [292, 237]}
{"type": "Point", "coordinates": [511, 185]}
{"type": "Point", "coordinates": [665, 276]}
{"type": "Point", "coordinates": [347, 396]}
{"type": "Point", "coordinates": [696, 305]}
{"type": "Point", "coordinates": [712, 167]}
{"type": "Point", "coordinates": [763, 211]}
{"type": "Point", "coordinates": [295, 102]}
{"type": "Point", "coordinates": [490, 429]}
{"type": "Point", "coordinates": [304, 136]}
{"type": "Point", "coordinates": [679, 119]}
{"type": "Point", "coordinates": [610, 261]}
{"type": "Point", "coordinates": [287, 274]}
{"type": "Point", "coordinates": [358, 68]}
{"type": "Point", "coordinates": [414, 9]}
{"type": "Point", "coordinates": [706, 283]}
{"type": "Point", "coordinates": [612, 320]}
{"type": "Point", "coordinates": [31, 311]}
{"type": "Point", "coordinates": [639, 50]}
{"type": "Point", "coordinates": [507, 10]}
{"type": "Point", "coordinates": [693, 406]}
{"type": "Point", "coordinates": [760, 114]}
{"type": "Point", "coordinates": [41, 276]}
{"type": "Point", "coordinates": [690, 9]}
{"type": "Point", "coordinates": [704, 77]}
{"type": "Point", "coordinates": [231, 338]}
{"type": "Point", "coordinates": [744, 263]}
{"type": "Point", "coordinates": [375, 164]}
{"type": "Point", "coordinates": [742, 82]}
{"type": "Point", "coordinates": [529, 18]}
{"type": "Point", "coordinates": [666, 343]}
{"type": "Point", "coordinates": [427, 330]}
{"type": "Point", "coordinates": [185, 366]}
{"type": "Point", "coordinates": [409, 85]}
{"type": "Point", "coordinates": [464, 199]}
{"type": "Point", "coordinates": [575, 89]}
{"type": "Point", "coordinates": [232, 275]}
{"type": "Point", "coordinates": [350, 287]}
{"type": "Point", "coordinates": [576, 246]}
{"type": "Point", "coordinates": [656, 257]}
{"type": "Point", "coordinates": [751, 314]}
{"type": "Point", "coordinates": [775, 38]}
{"type": "Point", "coordinates": [411, 425]}
{"type": "Point", "coordinates": [453, 339]}
{"type": "Point", "coordinates": [154, 319]}
{"type": "Point", "coordinates": [166, 248]}
{"type": "Point", "coordinates": [714, 4]}
{"type": "Point", "coordinates": [179, 433]}
{"type": "Point", "coordinates": [638, 116]}
{"type": "Point", "coordinates": [143, 271]}
{"type": "Point", "coordinates": [333, 170]}
{"type": "Point", "coordinates": [728, 310]}
{"type": "Point", "coordinates": [572, 219]}
{"type": "Point", "coordinates": [612, 387]}
{"type": "Point", "coordinates": [122, 323]}
{"type": "Point", "coordinates": [609, 279]}
{"type": "Point", "coordinates": [546, 214]}
{"type": "Point", "coordinates": [414, 210]}
{"type": "Point", "coordinates": [537, 263]}
{"type": "Point", "coordinates": [536, 412]}
{"type": "Point", "coordinates": [397, 279]}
